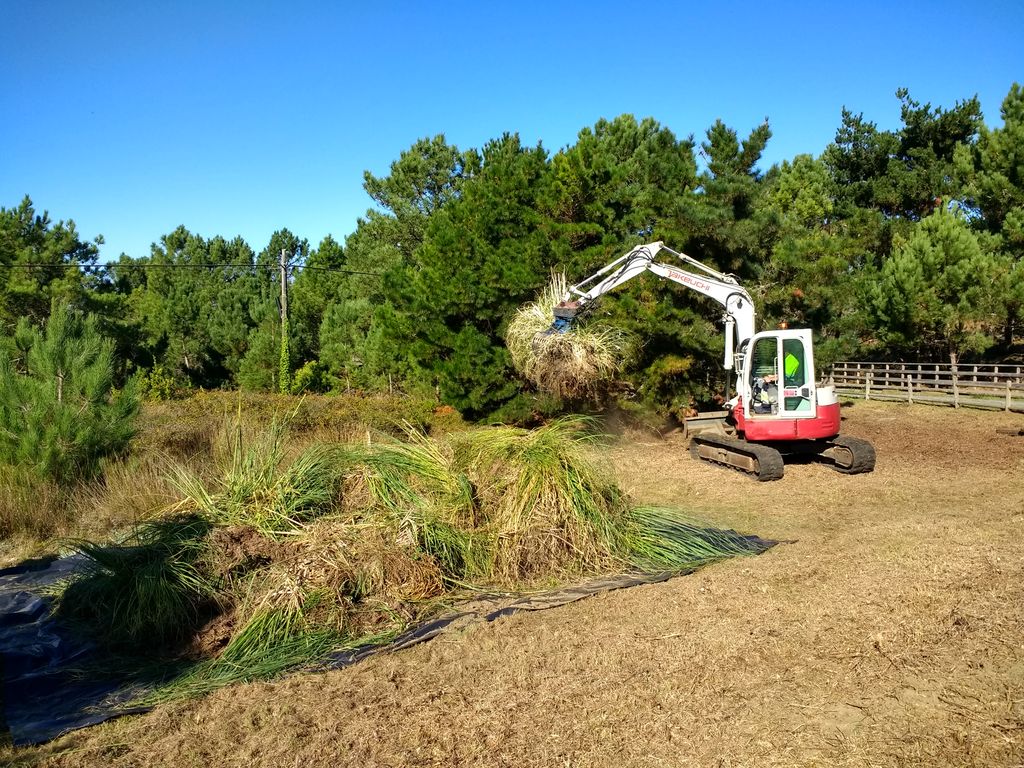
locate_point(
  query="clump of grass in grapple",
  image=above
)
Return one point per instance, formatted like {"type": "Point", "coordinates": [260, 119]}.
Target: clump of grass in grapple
{"type": "Point", "coordinates": [349, 543]}
{"type": "Point", "coordinates": [572, 364]}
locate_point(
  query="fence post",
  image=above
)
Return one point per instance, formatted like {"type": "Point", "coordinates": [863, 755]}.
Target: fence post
{"type": "Point", "coordinates": [956, 385]}
{"type": "Point", "coordinates": [1008, 380]}
{"type": "Point", "coordinates": [910, 384]}
{"type": "Point", "coordinates": [867, 382]}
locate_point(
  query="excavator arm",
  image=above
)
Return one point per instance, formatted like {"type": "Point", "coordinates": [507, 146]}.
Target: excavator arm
{"type": "Point", "coordinates": [736, 302]}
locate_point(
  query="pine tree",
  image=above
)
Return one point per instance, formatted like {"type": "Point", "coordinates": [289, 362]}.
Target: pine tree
{"type": "Point", "coordinates": [934, 295]}
{"type": "Point", "coordinates": [43, 254]}
{"type": "Point", "coordinates": [484, 253]}
{"type": "Point", "coordinates": [994, 174]}
{"type": "Point", "coordinates": [59, 413]}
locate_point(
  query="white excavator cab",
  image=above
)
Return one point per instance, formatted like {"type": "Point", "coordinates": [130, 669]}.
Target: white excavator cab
{"type": "Point", "coordinates": [777, 379]}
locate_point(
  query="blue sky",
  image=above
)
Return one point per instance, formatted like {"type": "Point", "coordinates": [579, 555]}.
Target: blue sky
{"type": "Point", "coordinates": [240, 118]}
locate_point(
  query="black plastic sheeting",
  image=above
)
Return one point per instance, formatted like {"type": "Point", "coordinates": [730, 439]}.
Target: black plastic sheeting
{"type": "Point", "coordinates": [44, 692]}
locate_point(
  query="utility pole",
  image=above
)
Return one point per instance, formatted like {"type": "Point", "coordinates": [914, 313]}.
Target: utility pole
{"type": "Point", "coordinates": [285, 370]}
{"type": "Point", "coordinates": [284, 291]}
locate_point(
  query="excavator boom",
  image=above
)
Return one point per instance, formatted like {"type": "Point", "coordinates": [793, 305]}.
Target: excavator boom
{"type": "Point", "coordinates": [736, 302]}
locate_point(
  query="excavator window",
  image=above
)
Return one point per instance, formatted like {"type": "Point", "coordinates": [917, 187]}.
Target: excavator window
{"type": "Point", "coordinates": [764, 374]}
{"type": "Point", "coordinates": [793, 362]}
{"type": "Point", "coordinates": [794, 366]}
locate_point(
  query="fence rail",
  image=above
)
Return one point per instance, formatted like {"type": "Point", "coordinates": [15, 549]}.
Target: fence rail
{"type": "Point", "coordinates": [999, 387]}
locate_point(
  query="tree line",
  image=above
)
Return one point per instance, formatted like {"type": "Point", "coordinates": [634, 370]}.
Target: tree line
{"type": "Point", "coordinates": [895, 244]}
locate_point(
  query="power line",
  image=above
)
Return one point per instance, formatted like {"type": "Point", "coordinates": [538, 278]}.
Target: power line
{"type": "Point", "coordinates": [336, 269]}
{"type": "Point", "coordinates": [109, 266]}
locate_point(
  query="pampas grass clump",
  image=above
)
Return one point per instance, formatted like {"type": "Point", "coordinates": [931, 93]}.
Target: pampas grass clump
{"type": "Point", "coordinates": [546, 507]}
{"type": "Point", "coordinates": [572, 364]}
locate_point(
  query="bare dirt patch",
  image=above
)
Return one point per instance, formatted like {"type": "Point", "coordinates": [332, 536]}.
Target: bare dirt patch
{"type": "Point", "coordinates": [889, 633]}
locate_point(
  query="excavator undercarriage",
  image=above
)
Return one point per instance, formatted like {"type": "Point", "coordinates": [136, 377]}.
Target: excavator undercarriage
{"type": "Point", "coordinates": [713, 439]}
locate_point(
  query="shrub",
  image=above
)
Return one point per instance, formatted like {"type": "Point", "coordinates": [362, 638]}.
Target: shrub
{"type": "Point", "coordinates": [59, 412]}
{"type": "Point", "coordinates": [311, 377]}
{"type": "Point", "coordinates": [157, 384]}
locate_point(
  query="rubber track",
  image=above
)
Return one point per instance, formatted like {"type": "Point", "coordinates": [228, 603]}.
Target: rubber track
{"type": "Point", "coordinates": [863, 454]}
{"type": "Point", "coordinates": [769, 460]}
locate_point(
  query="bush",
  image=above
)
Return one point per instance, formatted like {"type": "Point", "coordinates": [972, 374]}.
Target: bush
{"type": "Point", "coordinates": [157, 384]}
{"type": "Point", "coordinates": [59, 412]}
{"type": "Point", "coordinates": [311, 377]}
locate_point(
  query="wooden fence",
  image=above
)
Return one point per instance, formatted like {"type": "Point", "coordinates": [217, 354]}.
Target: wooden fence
{"type": "Point", "coordinates": [999, 387]}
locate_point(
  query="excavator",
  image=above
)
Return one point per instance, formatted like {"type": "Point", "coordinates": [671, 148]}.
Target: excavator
{"type": "Point", "coordinates": [780, 412]}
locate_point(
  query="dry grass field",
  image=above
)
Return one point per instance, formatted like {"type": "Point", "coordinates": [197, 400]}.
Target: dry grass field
{"type": "Point", "coordinates": [888, 630]}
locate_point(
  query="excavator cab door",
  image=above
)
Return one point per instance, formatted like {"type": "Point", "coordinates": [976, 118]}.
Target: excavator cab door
{"type": "Point", "coordinates": [779, 376]}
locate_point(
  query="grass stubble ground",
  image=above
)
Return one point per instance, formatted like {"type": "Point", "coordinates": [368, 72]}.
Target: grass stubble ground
{"type": "Point", "coordinates": [889, 632]}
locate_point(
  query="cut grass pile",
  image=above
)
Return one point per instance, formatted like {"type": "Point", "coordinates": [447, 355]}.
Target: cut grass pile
{"type": "Point", "coordinates": [573, 364]}
{"type": "Point", "coordinates": [280, 557]}
{"type": "Point", "coordinates": [146, 590]}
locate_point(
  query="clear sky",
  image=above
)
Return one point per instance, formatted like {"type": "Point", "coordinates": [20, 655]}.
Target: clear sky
{"type": "Point", "coordinates": [240, 118]}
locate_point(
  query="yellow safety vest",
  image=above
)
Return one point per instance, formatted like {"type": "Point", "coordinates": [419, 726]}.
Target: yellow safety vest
{"type": "Point", "coordinates": [791, 365]}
